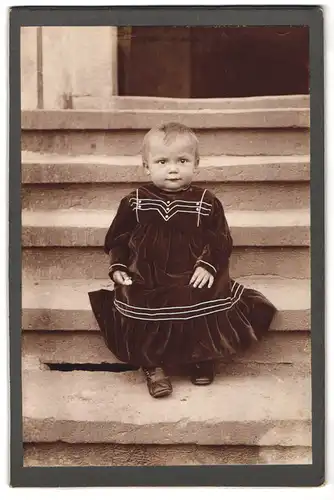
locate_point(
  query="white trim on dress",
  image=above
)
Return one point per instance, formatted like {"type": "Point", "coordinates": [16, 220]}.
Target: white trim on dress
{"type": "Point", "coordinates": [168, 204]}
{"type": "Point", "coordinates": [117, 264]}
{"type": "Point", "coordinates": [187, 312]}
{"type": "Point", "coordinates": [167, 209]}
{"type": "Point", "coordinates": [137, 205]}
{"type": "Point", "coordinates": [207, 263]}
{"type": "Point", "coordinates": [200, 207]}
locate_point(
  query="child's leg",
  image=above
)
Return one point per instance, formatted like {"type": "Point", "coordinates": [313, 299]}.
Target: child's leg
{"type": "Point", "coordinates": [158, 383]}
{"type": "Point", "coordinates": [202, 373]}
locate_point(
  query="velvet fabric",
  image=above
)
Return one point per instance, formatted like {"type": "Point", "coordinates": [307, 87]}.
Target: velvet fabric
{"type": "Point", "coordinates": [159, 238]}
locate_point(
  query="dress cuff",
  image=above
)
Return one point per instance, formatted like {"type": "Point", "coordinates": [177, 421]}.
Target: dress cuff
{"type": "Point", "coordinates": [116, 267]}
{"type": "Point", "coordinates": [209, 267]}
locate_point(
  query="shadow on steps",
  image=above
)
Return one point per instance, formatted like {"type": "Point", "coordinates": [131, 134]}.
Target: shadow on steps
{"type": "Point", "coordinates": [91, 367]}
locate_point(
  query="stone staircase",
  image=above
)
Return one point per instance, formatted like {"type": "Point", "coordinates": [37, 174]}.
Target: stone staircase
{"type": "Point", "coordinates": [81, 406]}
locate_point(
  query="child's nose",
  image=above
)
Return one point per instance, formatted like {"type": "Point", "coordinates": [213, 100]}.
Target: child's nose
{"type": "Point", "coordinates": [173, 167]}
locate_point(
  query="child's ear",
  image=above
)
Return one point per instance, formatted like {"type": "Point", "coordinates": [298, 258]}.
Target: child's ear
{"type": "Point", "coordinates": [145, 167]}
{"type": "Point", "coordinates": [196, 162]}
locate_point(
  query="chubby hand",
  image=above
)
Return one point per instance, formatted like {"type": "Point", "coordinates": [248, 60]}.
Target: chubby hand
{"type": "Point", "coordinates": [121, 278]}
{"type": "Point", "coordinates": [201, 277]}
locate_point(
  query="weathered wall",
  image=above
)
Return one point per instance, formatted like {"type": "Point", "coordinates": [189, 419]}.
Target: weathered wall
{"type": "Point", "coordinates": [29, 67]}
{"type": "Point", "coordinates": [68, 67]}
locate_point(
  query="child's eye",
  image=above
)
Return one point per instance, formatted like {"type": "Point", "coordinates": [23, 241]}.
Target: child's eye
{"type": "Point", "coordinates": [183, 160]}
{"type": "Point", "coordinates": [162, 162]}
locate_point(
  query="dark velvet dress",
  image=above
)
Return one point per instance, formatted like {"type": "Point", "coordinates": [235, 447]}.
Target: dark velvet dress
{"type": "Point", "coordinates": [159, 238]}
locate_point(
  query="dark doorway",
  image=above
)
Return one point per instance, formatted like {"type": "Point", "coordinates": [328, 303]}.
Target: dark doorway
{"type": "Point", "coordinates": [208, 62]}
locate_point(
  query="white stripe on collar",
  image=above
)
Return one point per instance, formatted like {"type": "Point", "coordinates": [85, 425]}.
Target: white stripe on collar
{"type": "Point", "coordinates": [170, 203]}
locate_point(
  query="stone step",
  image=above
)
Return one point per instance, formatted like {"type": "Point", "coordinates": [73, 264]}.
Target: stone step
{"type": "Point", "coordinates": [104, 455]}
{"type": "Point", "coordinates": [76, 262]}
{"type": "Point", "coordinates": [257, 102]}
{"type": "Point", "coordinates": [234, 196]}
{"type": "Point", "coordinates": [40, 168]}
{"type": "Point", "coordinates": [40, 348]}
{"type": "Point", "coordinates": [63, 305]}
{"type": "Point", "coordinates": [220, 141]}
{"type": "Point", "coordinates": [242, 183]}
{"type": "Point", "coordinates": [282, 131]}
{"type": "Point", "coordinates": [249, 408]}
{"type": "Point", "coordinates": [79, 228]}
{"type": "Point", "coordinates": [144, 119]}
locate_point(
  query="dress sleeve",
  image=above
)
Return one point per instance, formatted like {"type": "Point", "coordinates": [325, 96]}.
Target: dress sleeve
{"type": "Point", "coordinates": [217, 250]}
{"type": "Point", "coordinates": [116, 243]}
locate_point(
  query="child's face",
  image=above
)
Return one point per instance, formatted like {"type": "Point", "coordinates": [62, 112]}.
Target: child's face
{"type": "Point", "coordinates": [171, 165]}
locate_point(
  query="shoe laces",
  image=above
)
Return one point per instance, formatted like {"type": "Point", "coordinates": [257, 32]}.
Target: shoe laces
{"type": "Point", "coordinates": [151, 373]}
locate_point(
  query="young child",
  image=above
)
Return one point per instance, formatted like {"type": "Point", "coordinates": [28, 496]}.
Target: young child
{"type": "Point", "coordinates": [174, 302]}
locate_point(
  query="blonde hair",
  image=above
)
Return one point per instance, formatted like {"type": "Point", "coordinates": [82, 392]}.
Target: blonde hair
{"type": "Point", "coordinates": [170, 131]}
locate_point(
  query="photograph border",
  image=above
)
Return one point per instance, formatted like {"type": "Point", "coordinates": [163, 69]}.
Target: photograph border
{"type": "Point", "coordinates": [213, 475]}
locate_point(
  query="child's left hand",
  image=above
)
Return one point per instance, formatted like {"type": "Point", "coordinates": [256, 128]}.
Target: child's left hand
{"type": "Point", "coordinates": [201, 277]}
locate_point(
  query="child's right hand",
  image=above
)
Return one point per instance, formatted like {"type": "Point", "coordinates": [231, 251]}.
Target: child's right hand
{"type": "Point", "coordinates": [121, 278]}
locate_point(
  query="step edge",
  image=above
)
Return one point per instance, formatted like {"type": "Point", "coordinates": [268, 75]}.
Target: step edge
{"type": "Point", "coordinates": [295, 118]}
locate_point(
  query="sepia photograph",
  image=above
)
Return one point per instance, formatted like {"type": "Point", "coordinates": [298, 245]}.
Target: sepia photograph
{"type": "Point", "coordinates": [165, 243]}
